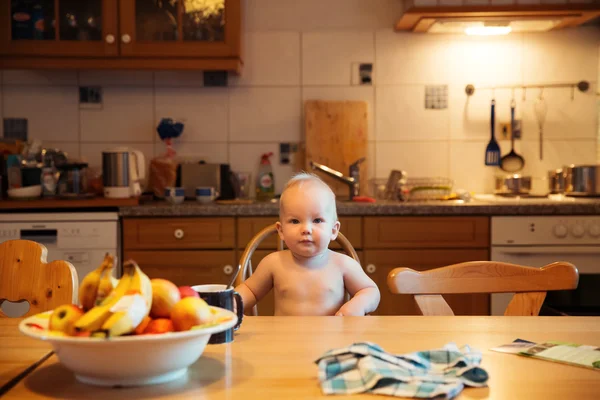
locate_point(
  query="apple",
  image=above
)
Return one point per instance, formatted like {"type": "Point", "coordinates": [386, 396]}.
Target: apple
{"type": "Point", "coordinates": [159, 325]}
{"type": "Point", "coordinates": [187, 291]}
{"type": "Point", "coordinates": [63, 319]}
{"type": "Point", "coordinates": [189, 312]}
{"type": "Point", "coordinates": [165, 294]}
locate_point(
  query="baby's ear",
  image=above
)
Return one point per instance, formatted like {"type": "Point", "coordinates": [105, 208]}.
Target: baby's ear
{"type": "Point", "coordinates": [335, 230]}
{"type": "Point", "coordinates": [279, 229]}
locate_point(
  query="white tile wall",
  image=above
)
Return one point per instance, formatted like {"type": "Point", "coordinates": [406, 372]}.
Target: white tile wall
{"type": "Point", "coordinates": [38, 77]}
{"type": "Point", "coordinates": [296, 51]}
{"type": "Point", "coordinates": [51, 111]}
{"type": "Point", "coordinates": [328, 57]}
{"type": "Point", "coordinates": [126, 116]}
{"type": "Point", "coordinates": [116, 78]}
{"type": "Point", "coordinates": [270, 59]}
{"type": "Point", "coordinates": [418, 159]}
{"type": "Point", "coordinates": [401, 115]}
{"type": "Point", "coordinates": [408, 58]}
{"type": "Point", "coordinates": [264, 115]}
{"type": "Point", "coordinates": [561, 56]}
{"type": "Point", "coordinates": [202, 110]}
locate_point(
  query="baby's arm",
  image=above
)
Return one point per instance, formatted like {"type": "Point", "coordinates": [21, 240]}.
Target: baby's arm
{"type": "Point", "coordinates": [257, 285]}
{"type": "Point", "coordinates": [365, 293]}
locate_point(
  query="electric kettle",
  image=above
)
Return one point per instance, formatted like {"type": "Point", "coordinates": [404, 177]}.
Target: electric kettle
{"type": "Point", "coordinates": [122, 170]}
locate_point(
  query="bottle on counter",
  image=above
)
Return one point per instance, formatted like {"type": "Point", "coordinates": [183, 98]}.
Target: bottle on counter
{"type": "Point", "coordinates": [265, 183]}
{"type": "Point", "coordinates": [49, 180]}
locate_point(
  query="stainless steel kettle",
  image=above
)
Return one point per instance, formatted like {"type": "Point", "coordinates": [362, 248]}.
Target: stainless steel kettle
{"type": "Point", "coordinates": [122, 170]}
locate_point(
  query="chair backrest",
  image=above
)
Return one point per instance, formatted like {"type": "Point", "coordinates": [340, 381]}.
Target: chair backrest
{"type": "Point", "coordinates": [245, 260]}
{"type": "Point", "coordinates": [528, 283]}
{"type": "Point", "coordinates": [25, 275]}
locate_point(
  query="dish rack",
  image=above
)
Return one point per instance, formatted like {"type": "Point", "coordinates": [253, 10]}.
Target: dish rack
{"type": "Point", "coordinates": [428, 188]}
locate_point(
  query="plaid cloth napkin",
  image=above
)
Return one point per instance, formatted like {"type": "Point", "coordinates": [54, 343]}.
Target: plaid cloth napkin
{"type": "Point", "coordinates": [366, 367]}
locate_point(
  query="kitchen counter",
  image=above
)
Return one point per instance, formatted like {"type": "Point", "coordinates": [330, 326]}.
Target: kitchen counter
{"type": "Point", "coordinates": [50, 204]}
{"type": "Point", "coordinates": [567, 206]}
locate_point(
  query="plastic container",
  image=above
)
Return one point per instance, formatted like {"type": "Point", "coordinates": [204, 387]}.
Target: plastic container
{"type": "Point", "coordinates": [265, 183]}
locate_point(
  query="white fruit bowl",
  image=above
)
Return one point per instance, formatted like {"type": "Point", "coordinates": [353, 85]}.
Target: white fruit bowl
{"type": "Point", "coordinates": [128, 360]}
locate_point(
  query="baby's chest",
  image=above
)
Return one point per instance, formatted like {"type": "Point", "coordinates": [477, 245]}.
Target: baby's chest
{"type": "Point", "coordinates": [321, 283]}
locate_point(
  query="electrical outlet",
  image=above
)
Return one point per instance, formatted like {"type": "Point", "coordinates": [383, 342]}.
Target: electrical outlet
{"type": "Point", "coordinates": [505, 131]}
{"type": "Point", "coordinates": [362, 74]}
{"type": "Point", "coordinates": [287, 153]}
{"type": "Point", "coordinates": [90, 97]}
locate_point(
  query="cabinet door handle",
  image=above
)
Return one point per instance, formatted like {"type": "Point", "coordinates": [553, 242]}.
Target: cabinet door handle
{"type": "Point", "coordinates": [371, 268]}
{"type": "Point", "coordinates": [228, 269]}
{"type": "Point", "coordinates": [126, 38]}
{"type": "Point", "coordinates": [178, 234]}
{"type": "Point", "coordinates": [110, 39]}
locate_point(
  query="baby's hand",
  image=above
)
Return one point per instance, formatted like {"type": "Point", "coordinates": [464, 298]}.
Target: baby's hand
{"type": "Point", "coordinates": [350, 310]}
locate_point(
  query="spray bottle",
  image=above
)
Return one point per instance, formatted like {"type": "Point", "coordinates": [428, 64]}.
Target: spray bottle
{"type": "Point", "coordinates": [265, 184]}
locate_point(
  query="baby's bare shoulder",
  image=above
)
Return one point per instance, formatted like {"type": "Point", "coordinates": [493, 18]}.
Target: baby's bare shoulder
{"type": "Point", "coordinates": [343, 261]}
{"type": "Point", "coordinates": [276, 259]}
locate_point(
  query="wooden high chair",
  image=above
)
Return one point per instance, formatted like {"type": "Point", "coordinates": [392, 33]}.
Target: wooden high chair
{"type": "Point", "coordinates": [245, 260]}
{"type": "Point", "coordinates": [529, 284]}
{"type": "Point", "coordinates": [25, 275]}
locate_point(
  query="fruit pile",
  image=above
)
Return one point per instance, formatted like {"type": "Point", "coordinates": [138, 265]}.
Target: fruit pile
{"type": "Point", "coordinates": [132, 305]}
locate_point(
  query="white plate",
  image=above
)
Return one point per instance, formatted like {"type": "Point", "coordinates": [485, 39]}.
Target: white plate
{"type": "Point", "coordinates": [128, 360]}
{"type": "Point", "coordinates": [28, 192]}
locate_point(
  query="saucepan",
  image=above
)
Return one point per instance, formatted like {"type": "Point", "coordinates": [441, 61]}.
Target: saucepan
{"type": "Point", "coordinates": [556, 181]}
{"type": "Point", "coordinates": [582, 180]}
{"type": "Point", "coordinates": [514, 184]}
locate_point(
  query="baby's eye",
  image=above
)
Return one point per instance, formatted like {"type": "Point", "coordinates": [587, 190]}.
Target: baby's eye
{"type": "Point", "coordinates": [294, 221]}
{"type": "Point", "coordinates": [318, 220]}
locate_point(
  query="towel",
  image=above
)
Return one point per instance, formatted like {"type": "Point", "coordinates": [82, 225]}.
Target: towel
{"type": "Point", "coordinates": [366, 367]}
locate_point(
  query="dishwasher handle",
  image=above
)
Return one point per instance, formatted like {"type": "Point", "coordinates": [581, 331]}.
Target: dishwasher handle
{"type": "Point", "coordinates": [43, 236]}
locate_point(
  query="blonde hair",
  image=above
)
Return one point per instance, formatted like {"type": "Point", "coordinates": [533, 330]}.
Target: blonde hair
{"type": "Point", "coordinates": [302, 178]}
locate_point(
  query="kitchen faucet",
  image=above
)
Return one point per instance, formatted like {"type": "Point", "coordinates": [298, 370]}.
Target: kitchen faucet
{"type": "Point", "coordinates": [353, 181]}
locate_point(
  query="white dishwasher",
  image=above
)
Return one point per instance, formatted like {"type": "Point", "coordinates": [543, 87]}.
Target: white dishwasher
{"type": "Point", "coordinates": [80, 238]}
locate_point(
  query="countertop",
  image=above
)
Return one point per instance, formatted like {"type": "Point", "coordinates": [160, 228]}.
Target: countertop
{"type": "Point", "coordinates": [567, 206]}
{"type": "Point", "coordinates": [482, 205]}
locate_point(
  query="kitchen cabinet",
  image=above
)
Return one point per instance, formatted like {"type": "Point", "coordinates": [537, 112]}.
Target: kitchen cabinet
{"type": "Point", "coordinates": [187, 251]}
{"type": "Point", "coordinates": [121, 34]}
{"type": "Point", "coordinates": [423, 243]}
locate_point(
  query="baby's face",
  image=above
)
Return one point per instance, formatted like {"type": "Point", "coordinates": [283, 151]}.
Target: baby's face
{"type": "Point", "coordinates": [307, 220]}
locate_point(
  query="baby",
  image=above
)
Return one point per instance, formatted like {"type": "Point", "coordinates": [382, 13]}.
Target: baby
{"type": "Point", "coordinates": [310, 279]}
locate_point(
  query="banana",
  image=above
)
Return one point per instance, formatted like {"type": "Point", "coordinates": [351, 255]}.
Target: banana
{"type": "Point", "coordinates": [98, 282]}
{"type": "Point", "coordinates": [132, 308]}
{"type": "Point", "coordinates": [97, 316]}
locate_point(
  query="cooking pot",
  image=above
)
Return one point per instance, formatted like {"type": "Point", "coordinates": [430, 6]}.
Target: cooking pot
{"type": "Point", "coordinates": [582, 180]}
{"type": "Point", "coordinates": [556, 181]}
{"type": "Point", "coordinates": [515, 184]}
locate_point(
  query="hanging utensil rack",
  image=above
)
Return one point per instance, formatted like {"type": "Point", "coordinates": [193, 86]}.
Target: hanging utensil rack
{"type": "Point", "coordinates": [582, 86]}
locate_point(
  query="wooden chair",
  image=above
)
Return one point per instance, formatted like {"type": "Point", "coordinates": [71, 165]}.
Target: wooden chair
{"type": "Point", "coordinates": [246, 264]}
{"type": "Point", "coordinates": [25, 275]}
{"type": "Point", "coordinates": [529, 284]}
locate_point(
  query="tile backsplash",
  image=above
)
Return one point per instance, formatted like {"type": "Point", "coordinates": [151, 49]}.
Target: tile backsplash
{"type": "Point", "coordinates": [292, 55]}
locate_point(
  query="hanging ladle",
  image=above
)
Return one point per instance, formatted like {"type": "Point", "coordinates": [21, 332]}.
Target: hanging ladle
{"type": "Point", "coordinates": [512, 162]}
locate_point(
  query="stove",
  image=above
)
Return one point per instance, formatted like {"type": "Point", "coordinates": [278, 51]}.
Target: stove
{"type": "Point", "coordinates": [536, 241]}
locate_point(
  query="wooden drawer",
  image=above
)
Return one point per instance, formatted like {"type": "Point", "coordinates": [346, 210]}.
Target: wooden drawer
{"type": "Point", "coordinates": [178, 233]}
{"type": "Point", "coordinates": [426, 232]}
{"type": "Point", "coordinates": [379, 263]}
{"type": "Point", "coordinates": [186, 267]}
{"type": "Point", "coordinates": [248, 227]}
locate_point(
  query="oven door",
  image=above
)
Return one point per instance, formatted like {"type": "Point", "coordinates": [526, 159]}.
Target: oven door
{"type": "Point", "coordinates": [581, 301]}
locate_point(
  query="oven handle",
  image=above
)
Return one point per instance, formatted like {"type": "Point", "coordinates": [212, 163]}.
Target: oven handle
{"type": "Point", "coordinates": [546, 250]}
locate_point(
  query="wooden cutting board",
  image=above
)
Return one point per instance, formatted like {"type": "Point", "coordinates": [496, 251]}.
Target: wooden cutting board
{"type": "Point", "coordinates": [336, 135]}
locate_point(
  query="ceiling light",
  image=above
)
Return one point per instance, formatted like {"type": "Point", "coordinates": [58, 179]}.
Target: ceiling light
{"type": "Point", "coordinates": [488, 30]}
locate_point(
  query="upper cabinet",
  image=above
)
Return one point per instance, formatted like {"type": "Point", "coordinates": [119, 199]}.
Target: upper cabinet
{"type": "Point", "coordinates": [121, 34]}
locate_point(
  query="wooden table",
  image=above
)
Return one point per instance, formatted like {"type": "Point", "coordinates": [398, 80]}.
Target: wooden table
{"type": "Point", "coordinates": [273, 358]}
